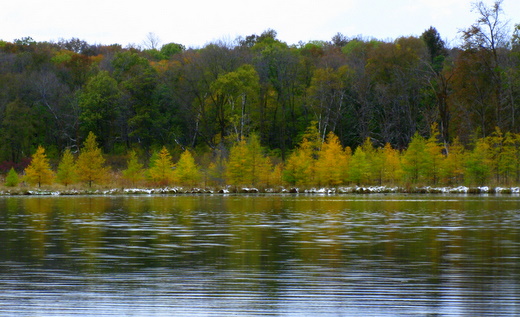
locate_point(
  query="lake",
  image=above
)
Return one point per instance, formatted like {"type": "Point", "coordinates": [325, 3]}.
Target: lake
{"type": "Point", "coordinates": [260, 255]}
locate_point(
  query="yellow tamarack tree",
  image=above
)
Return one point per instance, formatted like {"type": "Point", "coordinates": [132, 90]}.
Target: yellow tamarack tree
{"type": "Point", "coordinates": [39, 171]}
{"type": "Point", "coordinates": [433, 156]}
{"type": "Point", "coordinates": [90, 165]}
{"type": "Point", "coordinates": [66, 174]}
{"type": "Point", "coordinates": [161, 170]}
{"type": "Point", "coordinates": [247, 165]}
{"type": "Point", "coordinates": [414, 160]}
{"type": "Point", "coordinates": [332, 162]}
{"type": "Point", "coordinates": [187, 172]}
{"type": "Point", "coordinates": [391, 169]}
{"type": "Point", "coordinates": [134, 170]}
{"type": "Point", "coordinates": [452, 169]}
{"type": "Point", "coordinates": [300, 167]}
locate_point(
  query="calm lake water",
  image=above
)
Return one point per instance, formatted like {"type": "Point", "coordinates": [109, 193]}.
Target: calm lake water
{"type": "Point", "coordinates": [267, 255]}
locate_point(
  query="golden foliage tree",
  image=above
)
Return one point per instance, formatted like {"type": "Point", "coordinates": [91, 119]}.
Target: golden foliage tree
{"type": "Point", "coordinates": [237, 167]}
{"type": "Point", "coordinates": [391, 167]}
{"type": "Point", "coordinates": [187, 172]}
{"type": "Point", "coordinates": [66, 174]}
{"type": "Point", "coordinates": [161, 171]}
{"type": "Point", "coordinates": [247, 165]}
{"type": "Point", "coordinates": [39, 171]}
{"type": "Point", "coordinates": [300, 166]}
{"type": "Point", "coordinates": [332, 162]}
{"type": "Point", "coordinates": [90, 165]}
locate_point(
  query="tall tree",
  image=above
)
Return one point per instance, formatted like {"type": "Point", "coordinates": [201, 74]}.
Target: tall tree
{"type": "Point", "coordinates": [99, 104]}
{"type": "Point", "coordinates": [487, 38]}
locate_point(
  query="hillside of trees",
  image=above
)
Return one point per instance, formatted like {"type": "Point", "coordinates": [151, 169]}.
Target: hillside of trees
{"type": "Point", "coordinates": [368, 95]}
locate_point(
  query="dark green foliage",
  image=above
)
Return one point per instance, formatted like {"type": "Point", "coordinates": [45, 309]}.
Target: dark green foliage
{"type": "Point", "coordinates": [53, 94]}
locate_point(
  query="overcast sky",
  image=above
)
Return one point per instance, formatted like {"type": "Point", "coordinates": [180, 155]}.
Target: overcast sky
{"type": "Point", "coordinates": [196, 23]}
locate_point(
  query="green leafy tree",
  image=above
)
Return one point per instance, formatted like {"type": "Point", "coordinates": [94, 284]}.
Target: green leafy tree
{"type": "Point", "coordinates": [66, 174]}
{"type": "Point", "coordinates": [16, 128]}
{"type": "Point", "coordinates": [134, 170]}
{"type": "Point", "coordinates": [12, 179]}
{"type": "Point", "coordinates": [99, 104]}
{"type": "Point", "coordinates": [161, 171]}
{"type": "Point", "coordinates": [233, 97]}
{"type": "Point", "coordinates": [90, 165]}
{"type": "Point", "coordinates": [187, 172]}
{"type": "Point", "coordinates": [39, 170]}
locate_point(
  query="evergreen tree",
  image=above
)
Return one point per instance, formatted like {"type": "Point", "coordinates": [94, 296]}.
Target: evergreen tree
{"type": "Point", "coordinates": [90, 165]}
{"type": "Point", "coordinates": [39, 171]}
{"type": "Point", "coordinates": [66, 174]}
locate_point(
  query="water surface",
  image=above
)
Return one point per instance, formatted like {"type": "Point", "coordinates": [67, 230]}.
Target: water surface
{"type": "Point", "coordinates": [268, 255]}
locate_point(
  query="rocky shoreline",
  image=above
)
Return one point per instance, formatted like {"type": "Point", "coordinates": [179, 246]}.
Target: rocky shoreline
{"type": "Point", "coordinates": [281, 190]}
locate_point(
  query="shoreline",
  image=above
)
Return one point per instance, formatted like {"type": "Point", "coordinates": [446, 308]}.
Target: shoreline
{"type": "Point", "coordinates": [253, 190]}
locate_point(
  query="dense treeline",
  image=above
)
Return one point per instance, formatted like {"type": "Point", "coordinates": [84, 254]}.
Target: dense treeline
{"type": "Point", "coordinates": [209, 99]}
{"type": "Point", "coordinates": [493, 160]}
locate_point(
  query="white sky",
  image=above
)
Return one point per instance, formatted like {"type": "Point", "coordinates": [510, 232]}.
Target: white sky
{"type": "Point", "coordinates": [196, 23]}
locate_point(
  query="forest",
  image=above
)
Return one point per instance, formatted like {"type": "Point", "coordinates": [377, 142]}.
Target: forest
{"type": "Point", "coordinates": [258, 111]}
